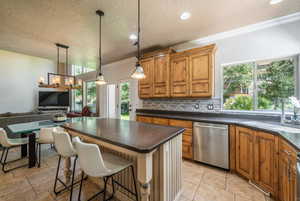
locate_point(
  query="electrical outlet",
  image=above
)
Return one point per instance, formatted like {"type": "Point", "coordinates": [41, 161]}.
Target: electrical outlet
{"type": "Point", "coordinates": [197, 106]}
{"type": "Point", "coordinates": [210, 106]}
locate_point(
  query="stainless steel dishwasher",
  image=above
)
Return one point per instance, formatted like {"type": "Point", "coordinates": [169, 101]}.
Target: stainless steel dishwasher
{"type": "Point", "coordinates": [211, 144]}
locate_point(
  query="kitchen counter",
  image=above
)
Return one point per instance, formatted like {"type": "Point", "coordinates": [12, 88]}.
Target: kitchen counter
{"type": "Point", "coordinates": [290, 133]}
{"type": "Point", "coordinates": [135, 136]}
{"type": "Point", "coordinates": [153, 150]}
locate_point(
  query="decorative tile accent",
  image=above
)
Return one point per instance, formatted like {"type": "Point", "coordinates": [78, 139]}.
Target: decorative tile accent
{"type": "Point", "coordinates": [187, 105]}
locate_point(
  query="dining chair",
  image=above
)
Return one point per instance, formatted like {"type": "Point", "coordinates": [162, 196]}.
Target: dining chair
{"type": "Point", "coordinates": [45, 136]}
{"type": "Point", "coordinates": [103, 165]}
{"type": "Point", "coordinates": [7, 144]}
{"type": "Point", "coordinates": [64, 147]}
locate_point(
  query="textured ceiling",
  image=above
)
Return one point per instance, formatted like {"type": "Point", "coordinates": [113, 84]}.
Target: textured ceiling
{"type": "Point", "coordinates": [33, 26]}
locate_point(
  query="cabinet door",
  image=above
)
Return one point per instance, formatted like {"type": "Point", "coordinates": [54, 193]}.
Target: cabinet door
{"type": "Point", "coordinates": [283, 174]}
{"type": "Point", "coordinates": [287, 172]}
{"type": "Point", "coordinates": [179, 77]}
{"type": "Point", "coordinates": [146, 85]}
{"type": "Point", "coordinates": [187, 136]}
{"type": "Point", "coordinates": [200, 75]}
{"type": "Point", "coordinates": [144, 119]}
{"type": "Point", "coordinates": [161, 76]}
{"type": "Point", "coordinates": [244, 151]}
{"type": "Point", "coordinates": [266, 161]}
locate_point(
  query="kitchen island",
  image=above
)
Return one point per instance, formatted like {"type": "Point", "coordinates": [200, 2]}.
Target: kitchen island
{"type": "Point", "coordinates": [154, 149]}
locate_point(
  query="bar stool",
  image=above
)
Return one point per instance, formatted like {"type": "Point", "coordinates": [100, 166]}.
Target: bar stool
{"type": "Point", "coordinates": [65, 149]}
{"type": "Point", "coordinates": [7, 144]}
{"type": "Point", "coordinates": [104, 165]}
{"type": "Point", "coordinates": [46, 137]}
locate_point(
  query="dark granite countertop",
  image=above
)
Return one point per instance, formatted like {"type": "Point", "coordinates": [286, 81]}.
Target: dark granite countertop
{"type": "Point", "coordinates": [132, 135]}
{"type": "Point", "coordinates": [268, 123]}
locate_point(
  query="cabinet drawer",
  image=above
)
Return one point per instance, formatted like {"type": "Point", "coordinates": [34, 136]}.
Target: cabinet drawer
{"type": "Point", "coordinates": [144, 119]}
{"type": "Point", "coordinates": [181, 123]}
{"type": "Point", "coordinates": [160, 121]}
{"type": "Point", "coordinates": [187, 139]}
{"type": "Point", "coordinates": [187, 151]}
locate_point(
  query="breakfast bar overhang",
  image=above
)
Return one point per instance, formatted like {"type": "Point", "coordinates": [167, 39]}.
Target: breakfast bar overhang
{"type": "Point", "coordinates": [155, 149]}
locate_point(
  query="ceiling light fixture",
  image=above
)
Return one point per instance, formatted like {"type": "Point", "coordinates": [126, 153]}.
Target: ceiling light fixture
{"type": "Point", "coordinates": [100, 78]}
{"type": "Point", "coordinates": [185, 15]}
{"type": "Point", "coordinates": [139, 71]}
{"type": "Point", "coordinates": [273, 2]}
{"type": "Point", "coordinates": [133, 37]}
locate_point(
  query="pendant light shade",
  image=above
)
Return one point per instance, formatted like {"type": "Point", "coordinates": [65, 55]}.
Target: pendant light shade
{"type": "Point", "coordinates": [100, 78]}
{"type": "Point", "coordinates": [139, 71]}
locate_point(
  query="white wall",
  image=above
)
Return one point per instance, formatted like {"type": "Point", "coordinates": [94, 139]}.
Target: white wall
{"type": "Point", "coordinates": [19, 75]}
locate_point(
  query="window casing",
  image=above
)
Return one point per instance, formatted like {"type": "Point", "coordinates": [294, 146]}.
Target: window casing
{"type": "Point", "coordinates": [260, 85]}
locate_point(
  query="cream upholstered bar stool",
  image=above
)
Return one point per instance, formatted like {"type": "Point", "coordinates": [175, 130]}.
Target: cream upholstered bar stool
{"type": "Point", "coordinates": [7, 144]}
{"type": "Point", "coordinates": [45, 136]}
{"type": "Point", "coordinates": [65, 149]}
{"type": "Point", "coordinates": [103, 165]}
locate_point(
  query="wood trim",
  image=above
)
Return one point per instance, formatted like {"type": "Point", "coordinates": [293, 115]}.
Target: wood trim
{"type": "Point", "coordinates": [232, 148]}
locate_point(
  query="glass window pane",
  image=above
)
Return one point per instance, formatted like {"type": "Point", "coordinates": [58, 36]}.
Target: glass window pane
{"type": "Point", "coordinates": [76, 70]}
{"type": "Point", "coordinates": [91, 96]}
{"type": "Point", "coordinates": [275, 80]}
{"type": "Point", "coordinates": [77, 100]}
{"type": "Point", "coordinates": [125, 100]}
{"type": "Point", "coordinates": [238, 87]}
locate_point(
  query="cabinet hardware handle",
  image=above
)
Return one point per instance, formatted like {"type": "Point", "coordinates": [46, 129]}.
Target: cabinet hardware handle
{"type": "Point", "coordinates": [287, 152]}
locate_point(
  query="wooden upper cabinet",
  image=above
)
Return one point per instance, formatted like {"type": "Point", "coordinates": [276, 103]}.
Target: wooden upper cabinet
{"type": "Point", "coordinates": [161, 75]}
{"type": "Point", "coordinates": [179, 76]}
{"type": "Point", "coordinates": [200, 73]}
{"type": "Point", "coordinates": [146, 85]}
{"type": "Point", "coordinates": [266, 161]}
{"type": "Point", "coordinates": [244, 152]}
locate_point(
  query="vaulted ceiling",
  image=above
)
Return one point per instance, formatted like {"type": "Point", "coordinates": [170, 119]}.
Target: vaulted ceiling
{"type": "Point", "coordinates": [33, 26]}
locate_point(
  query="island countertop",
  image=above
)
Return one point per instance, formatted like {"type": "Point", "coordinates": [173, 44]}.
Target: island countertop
{"type": "Point", "coordinates": [132, 135]}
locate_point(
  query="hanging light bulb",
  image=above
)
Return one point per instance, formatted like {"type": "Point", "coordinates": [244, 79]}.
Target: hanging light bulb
{"type": "Point", "coordinates": [100, 78]}
{"type": "Point", "coordinates": [139, 71]}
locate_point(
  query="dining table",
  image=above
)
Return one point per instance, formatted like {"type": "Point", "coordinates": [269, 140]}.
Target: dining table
{"type": "Point", "coordinates": [29, 130]}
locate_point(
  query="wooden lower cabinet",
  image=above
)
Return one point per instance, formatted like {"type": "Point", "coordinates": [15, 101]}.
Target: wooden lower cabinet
{"type": "Point", "coordinates": [287, 172]}
{"type": "Point", "coordinates": [266, 161]}
{"type": "Point", "coordinates": [187, 136]}
{"type": "Point", "coordinates": [244, 152]}
{"type": "Point", "coordinates": [144, 119]}
{"type": "Point", "coordinates": [160, 121]}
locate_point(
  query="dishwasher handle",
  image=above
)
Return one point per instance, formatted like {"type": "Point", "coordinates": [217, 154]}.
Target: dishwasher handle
{"type": "Point", "coordinates": [213, 127]}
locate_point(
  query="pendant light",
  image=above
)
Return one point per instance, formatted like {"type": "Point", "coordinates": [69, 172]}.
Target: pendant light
{"type": "Point", "coordinates": [139, 71]}
{"type": "Point", "coordinates": [100, 78]}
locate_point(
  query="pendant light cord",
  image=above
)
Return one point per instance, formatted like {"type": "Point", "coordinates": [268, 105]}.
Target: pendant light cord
{"type": "Point", "coordinates": [100, 45]}
{"type": "Point", "coordinates": [139, 31]}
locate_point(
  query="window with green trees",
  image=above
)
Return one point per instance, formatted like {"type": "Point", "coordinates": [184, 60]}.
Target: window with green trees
{"type": "Point", "coordinates": [91, 96]}
{"type": "Point", "coordinates": [259, 85]}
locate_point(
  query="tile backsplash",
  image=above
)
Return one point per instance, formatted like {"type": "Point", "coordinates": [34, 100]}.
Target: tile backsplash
{"type": "Point", "coordinates": [189, 105]}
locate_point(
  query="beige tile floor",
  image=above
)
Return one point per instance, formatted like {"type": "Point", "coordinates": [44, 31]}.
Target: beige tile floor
{"type": "Point", "coordinates": [200, 183]}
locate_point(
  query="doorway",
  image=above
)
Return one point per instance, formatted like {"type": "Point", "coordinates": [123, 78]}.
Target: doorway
{"type": "Point", "coordinates": [120, 100]}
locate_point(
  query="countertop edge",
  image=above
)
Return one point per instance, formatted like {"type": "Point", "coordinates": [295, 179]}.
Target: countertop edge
{"type": "Point", "coordinates": [231, 122]}
{"type": "Point", "coordinates": [148, 150]}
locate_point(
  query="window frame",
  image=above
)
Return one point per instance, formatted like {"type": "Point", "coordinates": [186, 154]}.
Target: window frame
{"type": "Point", "coordinates": [296, 58]}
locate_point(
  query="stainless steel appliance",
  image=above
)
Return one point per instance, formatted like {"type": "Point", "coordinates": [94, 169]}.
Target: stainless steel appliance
{"type": "Point", "coordinates": [211, 144]}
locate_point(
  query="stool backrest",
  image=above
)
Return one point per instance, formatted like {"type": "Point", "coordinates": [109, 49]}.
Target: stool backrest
{"type": "Point", "coordinates": [3, 138]}
{"type": "Point", "coordinates": [63, 144]}
{"type": "Point", "coordinates": [90, 158]}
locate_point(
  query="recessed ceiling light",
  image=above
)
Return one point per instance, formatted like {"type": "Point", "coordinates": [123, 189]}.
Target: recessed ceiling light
{"type": "Point", "coordinates": [185, 15]}
{"type": "Point", "coordinates": [272, 2]}
{"type": "Point", "coordinates": [133, 37]}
